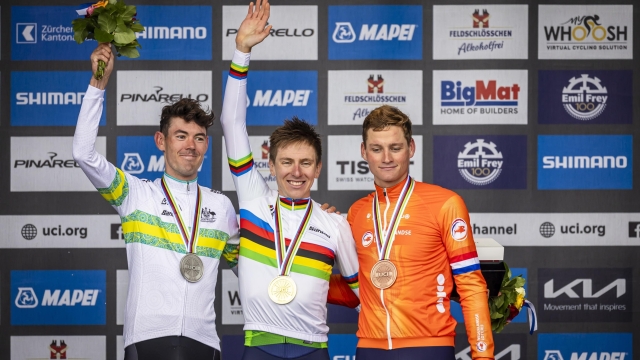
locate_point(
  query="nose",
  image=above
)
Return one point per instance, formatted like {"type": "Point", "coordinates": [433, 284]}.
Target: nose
{"type": "Point", "coordinates": [190, 143]}
{"type": "Point", "coordinates": [386, 156]}
{"type": "Point", "coordinates": [297, 171]}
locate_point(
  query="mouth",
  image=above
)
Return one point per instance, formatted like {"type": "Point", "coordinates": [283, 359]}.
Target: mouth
{"type": "Point", "coordinates": [295, 183]}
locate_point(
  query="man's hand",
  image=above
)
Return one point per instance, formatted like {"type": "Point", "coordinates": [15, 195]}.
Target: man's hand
{"type": "Point", "coordinates": [102, 52]}
{"type": "Point", "coordinates": [328, 208]}
{"type": "Point", "coordinates": [252, 30]}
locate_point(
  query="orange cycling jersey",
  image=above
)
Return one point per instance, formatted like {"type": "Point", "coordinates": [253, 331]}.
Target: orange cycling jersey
{"type": "Point", "coordinates": [433, 247]}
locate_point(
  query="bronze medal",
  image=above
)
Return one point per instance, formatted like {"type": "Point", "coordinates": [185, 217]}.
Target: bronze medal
{"type": "Point", "coordinates": [383, 274]}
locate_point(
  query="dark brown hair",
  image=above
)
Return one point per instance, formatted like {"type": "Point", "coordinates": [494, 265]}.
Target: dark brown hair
{"type": "Point", "coordinates": [384, 116]}
{"type": "Point", "coordinates": [294, 131]}
{"type": "Point", "coordinates": [187, 109]}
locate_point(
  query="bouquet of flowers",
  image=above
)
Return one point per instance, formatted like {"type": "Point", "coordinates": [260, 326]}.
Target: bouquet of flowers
{"type": "Point", "coordinates": [109, 21]}
{"type": "Point", "coordinates": [509, 302]}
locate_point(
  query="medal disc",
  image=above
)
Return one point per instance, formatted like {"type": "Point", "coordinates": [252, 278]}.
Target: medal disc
{"type": "Point", "coordinates": [191, 268]}
{"type": "Point", "coordinates": [383, 274]}
{"type": "Point", "coordinates": [282, 290]}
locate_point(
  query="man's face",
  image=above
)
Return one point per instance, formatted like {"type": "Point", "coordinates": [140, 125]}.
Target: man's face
{"type": "Point", "coordinates": [295, 169]}
{"type": "Point", "coordinates": [184, 147]}
{"type": "Point", "coordinates": [388, 155]}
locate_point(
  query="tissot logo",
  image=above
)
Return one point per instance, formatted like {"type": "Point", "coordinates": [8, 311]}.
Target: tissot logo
{"type": "Point", "coordinates": [58, 297]}
{"type": "Point", "coordinates": [139, 156]}
{"type": "Point", "coordinates": [51, 98]}
{"type": "Point", "coordinates": [585, 32]}
{"type": "Point", "coordinates": [142, 94]}
{"type": "Point", "coordinates": [354, 94]}
{"type": "Point", "coordinates": [473, 32]}
{"type": "Point", "coordinates": [275, 95]}
{"type": "Point", "coordinates": [585, 97]}
{"type": "Point", "coordinates": [480, 97]}
{"type": "Point", "coordinates": [294, 35]}
{"type": "Point", "coordinates": [581, 295]}
{"type": "Point", "coordinates": [386, 32]}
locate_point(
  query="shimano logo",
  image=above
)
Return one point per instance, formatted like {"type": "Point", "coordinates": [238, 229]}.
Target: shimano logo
{"type": "Point", "coordinates": [344, 33]}
{"type": "Point", "coordinates": [281, 98]}
{"type": "Point", "coordinates": [587, 289]}
{"type": "Point", "coordinates": [315, 229]}
{"type": "Point", "coordinates": [584, 162]}
{"type": "Point", "coordinates": [49, 98]}
{"type": "Point", "coordinates": [173, 32]}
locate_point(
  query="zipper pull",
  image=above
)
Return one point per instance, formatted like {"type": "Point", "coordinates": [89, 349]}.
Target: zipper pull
{"type": "Point", "coordinates": [384, 191]}
{"type": "Point", "coordinates": [187, 186]}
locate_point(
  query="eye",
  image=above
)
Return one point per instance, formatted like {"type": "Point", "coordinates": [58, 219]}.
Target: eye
{"type": "Point", "coordinates": [200, 138]}
{"type": "Point", "coordinates": [181, 137]}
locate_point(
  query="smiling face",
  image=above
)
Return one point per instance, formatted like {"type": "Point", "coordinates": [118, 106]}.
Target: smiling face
{"type": "Point", "coordinates": [388, 155]}
{"type": "Point", "coordinates": [184, 147]}
{"type": "Point", "coordinates": [295, 168]}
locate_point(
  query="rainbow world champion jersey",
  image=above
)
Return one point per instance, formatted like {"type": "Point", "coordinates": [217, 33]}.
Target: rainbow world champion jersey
{"type": "Point", "coordinates": [327, 240]}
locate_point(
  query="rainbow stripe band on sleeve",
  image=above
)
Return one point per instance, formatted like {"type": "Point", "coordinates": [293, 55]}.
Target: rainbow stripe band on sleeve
{"type": "Point", "coordinates": [241, 166]}
{"type": "Point", "coordinates": [352, 281]}
{"type": "Point", "coordinates": [238, 72]}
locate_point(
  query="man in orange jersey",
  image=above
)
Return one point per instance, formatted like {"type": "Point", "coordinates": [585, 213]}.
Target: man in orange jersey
{"type": "Point", "coordinates": [413, 241]}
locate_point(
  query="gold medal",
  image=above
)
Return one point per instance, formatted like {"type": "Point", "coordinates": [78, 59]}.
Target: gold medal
{"type": "Point", "coordinates": [282, 290]}
{"type": "Point", "coordinates": [383, 274]}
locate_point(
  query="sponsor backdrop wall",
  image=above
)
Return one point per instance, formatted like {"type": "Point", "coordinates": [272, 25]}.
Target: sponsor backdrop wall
{"type": "Point", "coordinates": [525, 109]}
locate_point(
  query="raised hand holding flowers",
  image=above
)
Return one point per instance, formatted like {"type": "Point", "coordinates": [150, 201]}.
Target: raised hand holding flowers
{"type": "Point", "coordinates": [109, 21]}
{"type": "Point", "coordinates": [510, 300]}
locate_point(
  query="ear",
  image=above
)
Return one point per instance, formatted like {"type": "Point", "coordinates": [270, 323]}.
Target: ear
{"type": "Point", "coordinates": [272, 168]}
{"type": "Point", "coordinates": [159, 139]}
{"type": "Point", "coordinates": [318, 169]}
{"type": "Point", "coordinates": [412, 147]}
{"type": "Point", "coordinates": [363, 151]}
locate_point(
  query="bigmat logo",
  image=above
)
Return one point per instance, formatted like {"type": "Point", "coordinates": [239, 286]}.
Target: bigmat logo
{"type": "Point", "coordinates": [480, 162]}
{"type": "Point", "coordinates": [58, 297]}
{"type": "Point", "coordinates": [273, 96]}
{"type": "Point", "coordinates": [46, 164]}
{"type": "Point", "coordinates": [139, 156]}
{"type": "Point", "coordinates": [478, 97]}
{"type": "Point", "coordinates": [347, 170]}
{"type": "Point", "coordinates": [593, 346]}
{"type": "Point", "coordinates": [480, 32]}
{"type": "Point", "coordinates": [293, 37]}
{"type": "Point", "coordinates": [585, 97]}
{"type": "Point", "coordinates": [343, 347]}
{"type": "Point", "coordinates": [383, 32]}
{"type": "Point", "coordinates": [175, 32]}
{"type": "Point", "coordinates": [142, 94]}
{"type": "Point", "coordinates": [69, 347]}
{"type": "Point", "coordinates": [585, 32]}
{"type": "Point", "coordinates": [507, 347]}
{"type": "Point", "coordinates": [51, 98]}
{"type": "Point", "coordinates": [354, 94]}
{"type": "Point", "coordinates": [260, 149]}
{"type": "Point", "coordinates": [45, 33]}
{"type": "Point", "coordinates": [585, 295]}
{"type": "Point", "coordinates": [572, 162]}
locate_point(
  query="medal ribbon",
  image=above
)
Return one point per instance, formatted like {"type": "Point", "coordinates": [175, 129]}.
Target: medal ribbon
{"type": "Point", "coordinates": [284, 255]}
{"type": "Point", "coordinates": [384, 247]}
{"type": "Point", "coordinates": [189, 242]}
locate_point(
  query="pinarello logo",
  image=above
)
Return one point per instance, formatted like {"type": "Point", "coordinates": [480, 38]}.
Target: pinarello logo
{"type": "Point", "coordinates": [367, 239]}
{"type": "Point", "coordinates": [459, 230]}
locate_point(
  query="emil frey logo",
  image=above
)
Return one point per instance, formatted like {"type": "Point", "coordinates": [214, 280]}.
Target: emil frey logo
{"type": "Point", "coordinates": [584, 98]}
{"type": "Point", "coordinates": [482, 166]}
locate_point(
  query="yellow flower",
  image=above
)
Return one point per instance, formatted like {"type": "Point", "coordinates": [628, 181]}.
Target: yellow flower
{"type": "Point", "coordinates": [519, 301]}
{"type": "Point", "coordinates": [101, 3]}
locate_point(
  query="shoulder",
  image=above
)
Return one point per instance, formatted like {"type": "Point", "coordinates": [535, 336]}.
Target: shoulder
{"type": "Point", "coordinates": [434, 195]}
{"type": "Point", "coordinates": [359, 205]}
{"type": "Point", "coordinates": [216, 197]}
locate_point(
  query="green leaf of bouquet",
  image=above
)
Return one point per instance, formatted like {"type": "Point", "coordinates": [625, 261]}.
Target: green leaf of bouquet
{"type": "Point", "coordinates": [128, 11]}
{"type": "Point", "coordinates": [106, 23]}
{"type": "Point", "coordinates": [137, 27]}
{"type": "Point", "coordinates": [499, 301]}
{"type": "Point", "coordinates": [80, 36]}
{"type": "Point", "coordinates": [496, 315]}
{"type": "Point", "coordinates": [124, 37]}
{"type": "Point", "coordinates": [102, 36]}
{"type": "Point", "coordinates": [519, 282]}
{"type": "Point", "coordinates": [120, 26]}
{"type": "Point", "coordinates": [97, 11]}
{"type": "Point", "coordinates": [79, 24]}
{"type": "Point", "coordinates": [129, 52]}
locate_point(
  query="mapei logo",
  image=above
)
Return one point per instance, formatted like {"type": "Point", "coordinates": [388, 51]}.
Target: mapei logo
{"type": "Point", "coordinates": [585, 346]}
{"type": "Point", "coordinates": [387, 32]}
{"type": "Point", "coordinates": [584, 162]}
{"type": "Point", "coordinates": [26, 33]}
{"type": "Point", "coordinates": [58, 297]}
{"type": "Point", "coordinates": [344, 32]}
{"type": "Point", "coordinates": [480, 163]}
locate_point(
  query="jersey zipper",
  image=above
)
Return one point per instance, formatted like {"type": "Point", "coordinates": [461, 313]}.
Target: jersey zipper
{"type": "Point", "coordinates": [384, 235]}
